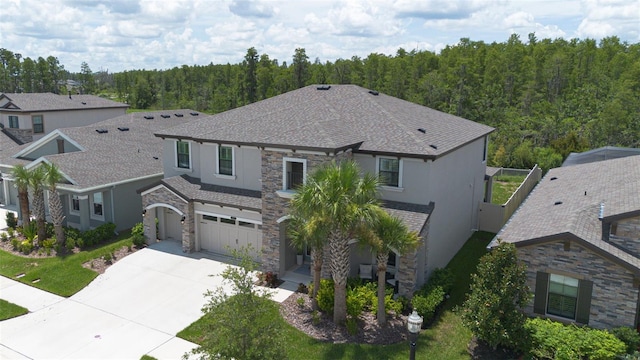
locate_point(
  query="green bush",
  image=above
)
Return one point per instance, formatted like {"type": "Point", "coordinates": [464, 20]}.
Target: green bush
{"type": "Point", "coordinates": [11, 232]}
{"type": "Point", "coordinates": [443, 278]}
{"type": "Point", "coordinates": [427, 304]}
{"type": "Point", "coordinates": [137, 229]}
{"type": "Point", "coordinates": [138, 240]}
{"type": "Point", "coordinates": [15, 242]}
{"type": "Point", "coordinates": [4, 236]}
{"type": "Point", "coordinates": [11, 220]}
{"type": "Point", "coordinates": [553, 340]}
{"type": "Point", "coordinates": [325, 296]}
{"type": "Point", "coordinates": [26, 246]}
{"type": "Point", "coordinates": [48, 244]}
{"type": "Point", "coordinates": [101, 234]}
{"type": "Point", "coordinates": [629, 336]}
{"type": "Point", "coordinates": [70, 243]}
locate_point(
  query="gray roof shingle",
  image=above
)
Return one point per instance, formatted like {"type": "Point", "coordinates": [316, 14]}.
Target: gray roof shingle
{"type": "Point", "coordinates": [581, 189]}
{"type": "Point", "coordinates": [415, 216]}
{"type": "Point", "coordinates": [116, 156]}
{"type": "Point", "coordinates": [345, 116]}
{"type": "Point", "coordinates": [29, 102]}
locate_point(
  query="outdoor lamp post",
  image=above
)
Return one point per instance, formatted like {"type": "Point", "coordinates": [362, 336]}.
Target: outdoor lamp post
{"type": "Point", "coordinates": [414, 324]}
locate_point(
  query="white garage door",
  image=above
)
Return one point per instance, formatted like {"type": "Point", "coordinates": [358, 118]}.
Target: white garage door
{"type": "Point", "coordinates": [220, 235]}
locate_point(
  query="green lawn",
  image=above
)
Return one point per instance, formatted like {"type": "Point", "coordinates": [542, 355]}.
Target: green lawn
{"type": "Point", "coordinates": [504, 186]}
{"type": "Point", "coordinates": [61, 275]}
{"type": "Point", "coordinates": [10, 310]}
{"type": "Point", "coordinates": [447, 339]}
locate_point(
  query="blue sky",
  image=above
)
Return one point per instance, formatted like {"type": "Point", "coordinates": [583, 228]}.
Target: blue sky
{"type": "Point", "coordinates": [118, 35]}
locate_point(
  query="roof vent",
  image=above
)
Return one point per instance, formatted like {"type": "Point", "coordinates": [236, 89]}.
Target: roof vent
{"type": "Point", "coordinates": [422, 130]}
{"type": "Point", "coordinates": [601, 213]}
{"type": "Point", "coordinates": [102, 131]}
{"type": "Point", "coordinates": [155, 158]}
{"type": "Point", "coordinates": [123, 128]}
{"type": "Point", "coordinates": [553, 178]}
{"type": "Point", "coordinates": [433, 147]}
{"type": "Point", "coordinates": [148, 117]}
{"type": "Point", "coordinates": [178, 115]}
{"type": "Point", "coordinates": [165, 116]}
{"type": "Point", "coordinates": [557, 203]}
{"type": "Point", "coordinates": [194, 114]}
{"type": "Point", "coordinates": [84, 103]}
{"type": "Point", "coordinates": [373, 92]}
{"type": "Point", "coordinates": [323, 87]}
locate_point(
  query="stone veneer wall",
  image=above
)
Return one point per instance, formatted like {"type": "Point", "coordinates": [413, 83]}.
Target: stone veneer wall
{"type": "Point", "coordinates": [614, 298]}
{"type": "Point", "coordinates": [275, 207]}
{"type": "Point", "coordinates": [24, 135]}
{"type": "Point", "coordinates": [164, 196]}
{"type": "Point", "coordinates": [627, 235]}
{"type": "Point", "coordinates": [407, 275]}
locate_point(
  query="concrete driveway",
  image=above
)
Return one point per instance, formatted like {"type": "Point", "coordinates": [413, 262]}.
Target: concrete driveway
{"type": "Point", "coordinates": [136, 307]}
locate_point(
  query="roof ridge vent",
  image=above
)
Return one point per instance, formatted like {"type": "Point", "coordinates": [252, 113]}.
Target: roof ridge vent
{"type": "Point", "coordinates": [323, 87]}
{"type": "Point", "coordinates": [178, 115]}
{"type": "Point", "coordinates": [165, 116]}
{"type": "Point", "coordinates": [373, 92]}
{"type": "Point", "coordinates": [422, 130]}
{"type": "Point", "coordinates": [102, 131]}
{"type": "Point", "coordinates": [148, 117]}
{"type": "Point", "coordinates": [123, 128]}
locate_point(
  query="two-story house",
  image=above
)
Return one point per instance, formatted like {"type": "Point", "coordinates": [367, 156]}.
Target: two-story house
{"type": "Point", "coordinates": [103, 165]}
{"type": "Point", "coordinates": [229, 177]}
{"type": "Point", "coordinates": [30, 116]}
{"type": "Point", "coordinates": [578, 233]}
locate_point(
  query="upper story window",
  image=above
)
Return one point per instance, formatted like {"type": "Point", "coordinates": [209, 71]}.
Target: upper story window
{"type": "Point", "coordinates": [98, 204]}
{"type": "Point", "coordinates": [183, 159]}
{"type": "Point", "coordinates": [389, 172]}
{"type": "Point", "coordinates": [295, 170]}
{"type": "Point", "coordinates": [38, 124]}
{"type": "Point", "coordinates": [13, 122]}
{"type": "Point", "coordinates": [225, 160]}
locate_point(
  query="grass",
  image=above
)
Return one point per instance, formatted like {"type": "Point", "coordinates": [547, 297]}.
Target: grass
{"type": "Point", "coordinates": [61, 275]}
{"type": "Point", "coordinates": [447, 339]}
{"type": "Point", "coordinates": [10, 310]}
{"type": "Point", "coordinates": [504, 186]}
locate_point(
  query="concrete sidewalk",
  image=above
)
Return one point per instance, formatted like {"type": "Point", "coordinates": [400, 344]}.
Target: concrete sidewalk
{"type": "Point", "coordinates": [136, 307]}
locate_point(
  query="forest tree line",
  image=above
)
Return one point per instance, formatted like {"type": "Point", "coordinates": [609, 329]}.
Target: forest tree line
{"type": "Point", "coordinates": [546, 98]}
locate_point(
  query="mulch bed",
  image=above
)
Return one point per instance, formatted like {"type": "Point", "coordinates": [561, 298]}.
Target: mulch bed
{"type": "Point", "coordinates": [323, 328]}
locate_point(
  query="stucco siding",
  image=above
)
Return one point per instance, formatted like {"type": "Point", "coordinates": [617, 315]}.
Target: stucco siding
{"type": "Point", "coordinates": [614, 296]}
{"type": "Point", "coordinates": [246, 167]}
{"type": "Point", "coordinates": [128, 203]}
{"type": "Point", "coordinates": [455, 183]}
{"type": "Point", "coordinates": [62, 119]}
{"type": "Point", "coordinates": [169, 159]}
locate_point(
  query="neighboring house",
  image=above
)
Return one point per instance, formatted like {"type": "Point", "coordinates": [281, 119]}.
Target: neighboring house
{"type": "Point", "coordinates": [103, 165]}
{"type": "Point", "coordinates": [30, 116]}
{"type": "Point", "coordinates": [229, 177]}
{"type": "Point", "coordinates": [578, 233]}
{"type": "Point", "coordinates": [599, 154]}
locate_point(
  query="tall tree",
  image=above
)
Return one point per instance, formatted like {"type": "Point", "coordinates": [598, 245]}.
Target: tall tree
{"type": "Point", "coordinates": [21, 178]}
{"type": "Point", "coordinates": [36, 183]}
{"type": "Point", "coordinates": [301, 66]}
{"type": "Point", "coordinates": [389, 234]}
{"type": "Point", "coordinates": [52, 177]}
{"type": "Point", "coordinates": [346, 205]}
{"type": "Point", "coordinates": [250, 65]}
{"type": "Point", "coordinates": [86, 78]}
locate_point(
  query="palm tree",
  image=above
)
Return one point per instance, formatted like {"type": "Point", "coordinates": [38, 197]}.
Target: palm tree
{"type": "Point", "coordinates": [340, 204]}
{"type": "Point", "coordinates": [52, 178]}
{"type": "Point", "coordinates": [21, 178]}
{"type": "Point", "coordinates": [389, 234]}
{"type": "Point", "coordinates": [36, 183]}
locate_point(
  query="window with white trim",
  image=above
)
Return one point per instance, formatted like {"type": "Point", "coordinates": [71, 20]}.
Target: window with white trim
{"type": "Point", "coordinates": [183, 158]}
{"type": "Point", "coordinates": [38, 124]}
{"type": "Point", "coordinates": [224, 157]}
{"type": "Point", "coordinates": [13, 122]}
{"type": "Point", "coordinates": [563, 296]}
{"type": "Point", "coordinates": [294, 173]}
{"type": "Point", "coordinates": [75, 203]}
{"type": "Point", "coordinates": [98, 204]}
{"type": "Point", "coordinates": [389, 171]}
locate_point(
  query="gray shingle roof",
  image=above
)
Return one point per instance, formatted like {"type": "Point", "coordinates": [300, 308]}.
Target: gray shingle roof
{"type": "Point", "coordinates": [581, 189]}
{"type": "Point", "coordinates": [192, 189]}
{"type": "Point", "coordinates": [29, 102]}
{"type": "Point", "coordinates": [600, 154]}
{"type": "Point", "coordinates": [117, 155]}
{"type": "Point", "coordinates": [345, 116]}
{"type": "Point", "coordinates": [413, 215]}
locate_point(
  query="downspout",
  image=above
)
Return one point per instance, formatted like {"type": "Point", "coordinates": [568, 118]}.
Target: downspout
{"type": "Point", "coordinates": [113, 214]}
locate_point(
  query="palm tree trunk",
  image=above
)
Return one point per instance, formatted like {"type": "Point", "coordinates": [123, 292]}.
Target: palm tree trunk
{"type": "Point", "coordinates": [339, 250]}
{"type": "Point", "coordinates": [382, 258]}
{"type": "Point", "coordinates": [317, 259]}
{"type": "Point", "coordinates": [23, 196]}
{"type": "Point", "coordinates": [38, 209]}
{"type": "Point", "coordinates": [57, 217]}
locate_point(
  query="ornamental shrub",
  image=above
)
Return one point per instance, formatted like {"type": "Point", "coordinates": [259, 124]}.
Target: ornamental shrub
{"type": "Point", "coordinates": [325, 296]}
{"type": "Point", "coordinates": [629, 336]}
{"type": "Point", "coordinates": [11, 220]}
{"type": "Point", "coordinates": [427, 304]}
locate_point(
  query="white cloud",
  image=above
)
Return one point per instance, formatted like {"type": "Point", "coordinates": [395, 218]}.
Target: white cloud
{"type": "Point", "coordinates": [252, 8]}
